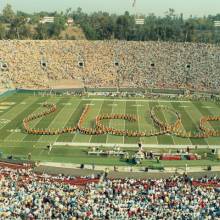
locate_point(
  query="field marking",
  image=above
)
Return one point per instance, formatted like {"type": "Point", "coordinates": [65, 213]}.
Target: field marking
{"type": "Point", "coordinates": [55, 122]}
{"type": "Point", "coordinates": [195, 122]}
{"type": "Point", "coordinates": [207, 107]}
{"type": "Point", "coordinates": [4, 107]}
{"type": "Point", "coordinates": [125, 107]}
{"type": "Point", "coordinates": [184, 106]}
{"type": "Point", "coordinates": [117, 109]}
{"type": "Point", "coordinates": [151, 125]}
{"type": "Point", "coordinates": [4, 121]}
{"type": "Point", "coordinates": [77, 133]}
{"type": "Point", "coordinates": [188, 139]}
{"type": "Point", "coordinates": [13, 111]}
{"type": "Point", "coordinates": [97, 114]}
{"type": "Point", "coordinates": [167, 123]}
{"type": "Point", "coordinates": [74, 110]}
{"type": "Point", "coordinates": [138, 105]}
{"type": "Point", "coordinates": [109, 123]}
{"type": "Point", "coordinates": [80, 144]}
{"type": "Point", "coordinates": [210, 113]}
{"type": "Point", "coordinates": [134, 100]}
{"type": "Point", "coordinates": [17, 130]}
{"type": "Point", "coordinates": [68, 104]}
{"type": "Point", "coordinates": [36, 121]}
{"type": "Point", "coordinates": [7, 103]}
{"type": "Point", "coordinates": [183, 126]}
{"type": "Point", "coordinates": [138, 117]}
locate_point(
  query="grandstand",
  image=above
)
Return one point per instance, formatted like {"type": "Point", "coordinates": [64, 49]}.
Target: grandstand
{"type": "Point", "coordinates": [34, 64]}
{"type": "Point", "coordinates": [108, 129]}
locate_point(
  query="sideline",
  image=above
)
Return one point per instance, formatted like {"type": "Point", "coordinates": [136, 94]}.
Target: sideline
{"type": "Point", "coordinates": [135, 100]}
{"type": "Point", "coordinates": [79, 144]}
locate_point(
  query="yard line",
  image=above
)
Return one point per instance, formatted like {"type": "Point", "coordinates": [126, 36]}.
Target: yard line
{"type": "Point", "coordinates": [135, 145]}
{"type": "Point", "coordinates": [168, 123]}
{"type": "Point", "coordinates": [13, 112]}
{"type": "Point", "coordinates": [195, 123]}
{"type": "Point", "coordinates": [70, 117]}
{"type": "Point", "coordinates": [57, 122]}
{"type": "Point", "coordinates": [119, 124]}
{"type": "Point", "coordinates": [97, 114]}
{"type": "Point", "coordinates": [109, 124]}
{"type": "Point", "coordinates": [153, 128]}
{"type": "Point", "coordinates": [80, 144]}
{"type": "Point", "coordinates": [138, 116]}
{"type": "Point", "coordinates": [181, 121]}
{"type": "Point", "coordinates": [124, 121]}
{"type": "Point", "coordinates": [134, 100]}
{"type": "Point", "coordinates": [76, 134]}
{"type": "Point", "coordinates": [207, 112]}
{"type": "Point", "coordinates": [33, 125]}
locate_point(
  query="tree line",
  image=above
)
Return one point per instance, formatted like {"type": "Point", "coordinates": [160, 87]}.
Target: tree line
{"type": "Point", "coordinates": [104, 26]}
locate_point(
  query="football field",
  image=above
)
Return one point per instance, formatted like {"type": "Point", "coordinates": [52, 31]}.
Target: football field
{"type": "Point", "coordinates": [14, 108]}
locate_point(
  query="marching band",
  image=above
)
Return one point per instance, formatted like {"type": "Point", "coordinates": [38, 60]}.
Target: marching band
{"type": "Point", "coordinates": [164, 127]}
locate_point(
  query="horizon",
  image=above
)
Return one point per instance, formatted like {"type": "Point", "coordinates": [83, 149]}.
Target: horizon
{"type": "Point", "coordinates": [156, 7]}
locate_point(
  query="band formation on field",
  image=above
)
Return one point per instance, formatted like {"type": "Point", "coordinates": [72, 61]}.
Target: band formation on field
{"type": "Point", "coordinates": [100, 129]}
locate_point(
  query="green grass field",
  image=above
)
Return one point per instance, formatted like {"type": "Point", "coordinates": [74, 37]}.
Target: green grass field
{"type": "Point", "coordinates": [14, 108]}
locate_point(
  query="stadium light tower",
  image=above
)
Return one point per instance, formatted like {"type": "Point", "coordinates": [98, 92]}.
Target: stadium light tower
{"type": "Point", "coordinates": [138, 20]}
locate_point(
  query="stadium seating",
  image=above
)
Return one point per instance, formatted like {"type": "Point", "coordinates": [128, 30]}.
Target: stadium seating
{"type": "Point", "coordinates": [26, 195]}
{"type": "Point", "coordinates": [34, 64]}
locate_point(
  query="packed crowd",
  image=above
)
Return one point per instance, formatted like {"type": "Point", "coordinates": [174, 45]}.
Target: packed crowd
{"type": "Point", "coordinates": [35, 64]}
{"type": "Point", "coordinates": [25, 195]}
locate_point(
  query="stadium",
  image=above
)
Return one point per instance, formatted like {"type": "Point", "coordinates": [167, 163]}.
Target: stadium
{"type": "Point", "coordinates": [109, 129]}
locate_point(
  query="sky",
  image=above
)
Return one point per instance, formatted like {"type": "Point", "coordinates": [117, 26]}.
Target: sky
{"type": "Point", "coordinates": [158, 7]}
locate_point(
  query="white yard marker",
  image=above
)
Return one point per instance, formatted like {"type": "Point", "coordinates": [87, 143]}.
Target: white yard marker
{"type": "Point", "coordinates": [7, 103]}
{"type": "Point", "coordinates": [4, 107]}
{"type": "Point", "coordinates": [138, 105]}
{"type": "Point", "coordinates": [184, 106]}
{"type": "Point", "coordinates": [207, 107]}
{"type": "Point", "coordinates": [4, 121]}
